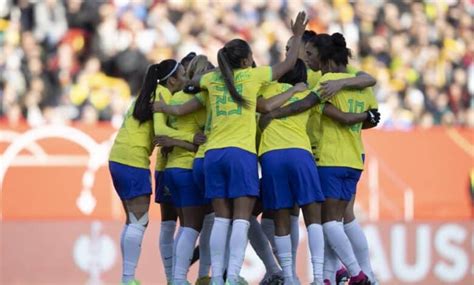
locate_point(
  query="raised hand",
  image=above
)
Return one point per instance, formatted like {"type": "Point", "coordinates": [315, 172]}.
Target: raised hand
{"type": "Point", "coordinates": [299, 25]}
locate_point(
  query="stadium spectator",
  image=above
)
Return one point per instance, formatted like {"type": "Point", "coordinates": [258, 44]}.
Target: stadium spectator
{"type": "Point", "coordinates": [422, 53]}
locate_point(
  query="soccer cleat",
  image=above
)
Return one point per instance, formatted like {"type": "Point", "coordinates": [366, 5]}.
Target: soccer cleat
{"type": "Point", "coordinates": [133, 282]}
{"type": "Point", "coordinates": [239, 281]}
{"type": "Point", "coordinates": [342, 276]}
{"type": "Point", "coordinates": [205, 280]}
{"type": "Point", "coordinates": [360, 279]}
{"type": "Point", "coordinates": [217, 281]}
{"type": "Point", "coordinates": [273, 279]}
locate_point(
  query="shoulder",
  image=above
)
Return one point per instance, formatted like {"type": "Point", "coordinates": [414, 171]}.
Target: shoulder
{"type": "Point", "coordinates": [262, 72]}
{"type": "Point", "coordinates": [352, 70]}
{"type": "Point", "coordinates": [210, 77]}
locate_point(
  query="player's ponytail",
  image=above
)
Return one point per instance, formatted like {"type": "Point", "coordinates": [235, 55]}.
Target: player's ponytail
{"type": "Point", "coordinates": [331, 48]}
{"type": "Point", "coordinates": [341, 52]}
{"type": "Point", "coordinates": [230, 57]}
{"type": "Point", "coordinates": [155, 74]}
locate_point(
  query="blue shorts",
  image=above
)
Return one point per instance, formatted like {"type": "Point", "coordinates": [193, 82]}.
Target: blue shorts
{"type": "Point", "coordinates": [162, 193]}
{"type": "Point", "coordinates": [230, 173]}
{"type": "Point", "coordinates": [290, 177]}
{"type": "Point", "coordinates": [184, 192]}
{"type": "Point", "coordinates": [339, 182]}
{"type": "Point", "coordinates": [198, 174]}
{"type": "Point", "coordinates": [129, 181]}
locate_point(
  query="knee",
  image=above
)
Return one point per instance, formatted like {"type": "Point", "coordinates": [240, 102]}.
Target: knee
{"type": "Point", "coordinates": [138, 218]}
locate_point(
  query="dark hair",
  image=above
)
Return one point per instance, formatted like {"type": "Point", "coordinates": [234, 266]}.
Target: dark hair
{"type": "Point", "coordinates": [230, 57]}
{"type": "Point", "coordinates": [160, 71]}
{"type": "Point", "coordinates": [187, 59]}
{"type": "Point", "coordinates": [308, 35]}
{"type": "Point", "coordinates": [332, 47]}
{"type": "Point", "coordinates": [295, 75]}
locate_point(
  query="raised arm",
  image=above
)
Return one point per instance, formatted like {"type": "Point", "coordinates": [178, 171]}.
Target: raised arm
{"type": "Point", "coordinates": [189, 107]}
{"type": "Point", "coordinates": [290, 109]}
{"type": "Point", "coordinates": [360, 81]}
{"type": "Point", "coordinates": [270, 104]}
{"type": "Point", "coordinates": [298, 28]}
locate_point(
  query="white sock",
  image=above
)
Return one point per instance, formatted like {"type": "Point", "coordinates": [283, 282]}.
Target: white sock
{"type": "Point", "coordinates": [204, 247]}
{"type": "Point", "coordinates": [268, 227]}
{"type": "Point", "coordinates": [131, 241]}
{"type": "Point", "coordinates": [218, 243]}
{"type": "Point", "coordinates": [283, 245]}
{"type": "Point", "coordinates": [360, 246]}
{"type": "Point", "coordinates": [295, 239]}
{"type": "Point", "coordinates": [175, 245]}
{"type": "Point", "coordinates": [227, 251]}
{"type": "Point", "coordinates": [238, 240]}
{"type": "Point", "coordinates": [166, 242]}
{"type": "Point", "coordinates": [184, 253]}
{"type": "Point", "coordinates": [331, 263]}
{"type": "Point", "coordinates": [316, 246]}
{"type": "Point", "coordinates": [260, 244]}
{"type": "Point", "coordinates": [342, 246]}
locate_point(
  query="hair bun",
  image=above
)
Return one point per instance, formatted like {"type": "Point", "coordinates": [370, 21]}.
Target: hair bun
{"type": "Point", "coordinates": [338, 40]}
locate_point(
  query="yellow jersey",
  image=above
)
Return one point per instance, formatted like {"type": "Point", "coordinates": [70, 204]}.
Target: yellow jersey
{"type": "Point", "coordinates": [233, 125]}
{"type": "Point", "coordinates": [191, 123]}
{"type": "Point", "coordinates": [313, 128]}
{"type": "Point", "coordinates": [133, 143]}
{"type": "Point", "coordinates": [313, 77]}
{"type": "Point", "coordinates": [288, 132]}
{"type": "Point", "coordinates": [160, 125]}
{"type": "Point", "coordinates": [339, 144]}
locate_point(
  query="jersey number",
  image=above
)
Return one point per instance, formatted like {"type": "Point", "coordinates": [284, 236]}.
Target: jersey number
{"type": "Point", "coordinates": [225, 105]}
{"type": "Point", "coordinates": [356, 107]}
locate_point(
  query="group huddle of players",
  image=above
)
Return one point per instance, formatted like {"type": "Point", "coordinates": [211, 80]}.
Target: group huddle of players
{"type": "Point", "coordinates": [299, 121]}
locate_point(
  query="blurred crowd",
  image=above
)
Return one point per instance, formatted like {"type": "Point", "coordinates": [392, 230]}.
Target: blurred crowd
{"type": "Point", "coordinates": [74, 60]}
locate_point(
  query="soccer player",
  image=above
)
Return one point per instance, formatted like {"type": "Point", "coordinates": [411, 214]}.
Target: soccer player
{"type": "Point", "coordinates": [170, 80]}
{"type": "Point", "coordinates": [289, 176]}
{"type": "Point", "coordinates": [190, 202]}
{"type": "Point", "coordinates": [129, 164]}
{"type": "Point", "coordinates": [341, 153]}
{"type": "Point", "coordinates": [230, 160]}
{"type": "Point", "coordinates": [328, 110]}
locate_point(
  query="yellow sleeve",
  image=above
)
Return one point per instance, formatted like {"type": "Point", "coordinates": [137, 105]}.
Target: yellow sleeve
{"type": "Point", "coordinates": [352, 70]}
{"type": "Point", "coordinates": [262, 90]}
{"type": "Point", "coordinates": [263, 73]}
{"type": "Point", "coordinates": [202, 97]}
{"type": "Point", "coordinates": [161, 127]}
{"type": "Point", "coordinates": [203, 82]}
